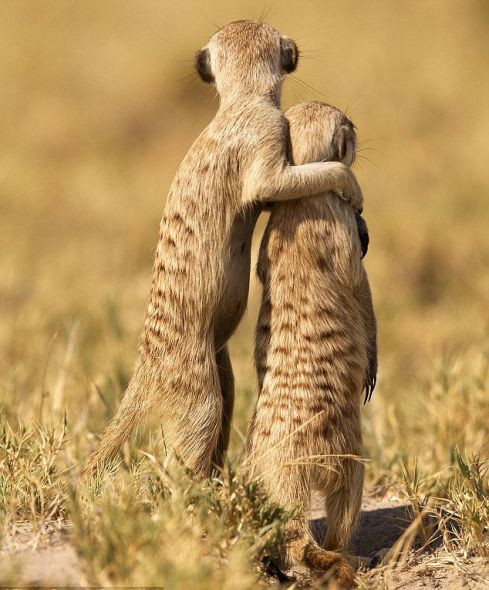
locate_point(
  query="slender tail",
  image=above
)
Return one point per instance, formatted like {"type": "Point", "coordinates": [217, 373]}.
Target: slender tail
{"type": "Point", "coordinates": [130, 412]}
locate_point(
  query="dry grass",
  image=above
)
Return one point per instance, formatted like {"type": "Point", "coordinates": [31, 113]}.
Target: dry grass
{"type": "Point", "coordinates": [96, 114]}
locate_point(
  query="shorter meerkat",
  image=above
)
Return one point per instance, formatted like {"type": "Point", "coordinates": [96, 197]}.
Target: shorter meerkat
{"type": "Point", "coordinates": [315, 350]}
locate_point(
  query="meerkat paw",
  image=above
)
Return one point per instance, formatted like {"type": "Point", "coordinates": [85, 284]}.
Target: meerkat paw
{"type": "Point", "coordinates": [377, 557]}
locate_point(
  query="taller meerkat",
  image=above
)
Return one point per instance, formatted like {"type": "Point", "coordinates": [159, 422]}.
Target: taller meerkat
{"type": "Point", "coordinates": [315, 350]}
{"type": "Point", "coordinates": [201, 269]}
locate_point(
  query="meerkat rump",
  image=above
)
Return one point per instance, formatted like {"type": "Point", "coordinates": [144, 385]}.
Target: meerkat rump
{"type": "Point", "coordinates": [201, 269]}
{"type": "Point", "coordinates": [315, 350]}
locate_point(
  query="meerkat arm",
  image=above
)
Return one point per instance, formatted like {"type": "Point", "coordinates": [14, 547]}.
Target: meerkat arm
{"type": "Point", "coordinates": [362, 233]}
{"type": "Point", "coordinates": [364, 298]}
{"type": "Point", "coordinates": [293, 182]}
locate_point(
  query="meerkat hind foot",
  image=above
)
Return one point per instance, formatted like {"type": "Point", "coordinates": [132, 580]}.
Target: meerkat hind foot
{"type": "Point", "coordinates": [330, 564]}
{"type": "Point", "coordinates": [342, 573]}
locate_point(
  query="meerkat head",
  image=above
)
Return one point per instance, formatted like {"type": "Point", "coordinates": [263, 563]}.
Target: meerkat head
{"type": "Point", "coordinates": [320, 132]}
{"type": "Point", "coordinates": [247, 56]}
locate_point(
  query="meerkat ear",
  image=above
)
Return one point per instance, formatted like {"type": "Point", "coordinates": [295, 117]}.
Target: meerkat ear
{"type": "Point", "coordinates": [203, 65]}
{"type": "Point", "coordinates": [289, 54]}
{"type": "Point", "coordinates": [345, 145]}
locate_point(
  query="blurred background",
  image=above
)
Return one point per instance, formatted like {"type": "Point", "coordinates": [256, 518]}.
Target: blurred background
{"type": "Point", "coordinates": [98, 105]}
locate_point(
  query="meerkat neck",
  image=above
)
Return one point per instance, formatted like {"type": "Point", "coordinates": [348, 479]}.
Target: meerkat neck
{"type": "Point", "coordinates": [240, 99]}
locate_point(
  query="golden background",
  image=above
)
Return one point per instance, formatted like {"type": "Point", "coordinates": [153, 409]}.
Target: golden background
{"type": "Point", "coordinates": [98, 106]}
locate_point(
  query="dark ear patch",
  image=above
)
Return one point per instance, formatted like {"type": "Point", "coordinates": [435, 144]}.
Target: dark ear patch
{"type": "Point", "coordinates": [203, 65]}
{"type": "Point", "coordinates": [289, 54]}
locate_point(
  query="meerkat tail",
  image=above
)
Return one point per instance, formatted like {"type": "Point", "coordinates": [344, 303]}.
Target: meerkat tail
{"type": "Point", "coordinates": [130, 412]}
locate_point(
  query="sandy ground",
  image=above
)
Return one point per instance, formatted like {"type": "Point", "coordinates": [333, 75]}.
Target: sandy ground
{"type": "Point", "coordinates": [27, 559]}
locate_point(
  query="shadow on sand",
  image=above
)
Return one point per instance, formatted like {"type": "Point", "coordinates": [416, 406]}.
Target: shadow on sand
{"type": "Point", "coordinates": [378, 528]}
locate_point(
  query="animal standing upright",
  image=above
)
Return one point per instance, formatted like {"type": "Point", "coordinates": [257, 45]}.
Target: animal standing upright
{"type": "Point", "coordinates": [315, 350]}
{"type": "Point", "coordinates": [201, 269]}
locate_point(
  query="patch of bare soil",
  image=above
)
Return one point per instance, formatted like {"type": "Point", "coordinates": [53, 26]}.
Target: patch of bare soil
{"type": "Point", "coordinates": [28, 559]}
{"type": "Point", "coordinates": [382, 523]}
{"type": "Point", "coordinates": [39, 559]}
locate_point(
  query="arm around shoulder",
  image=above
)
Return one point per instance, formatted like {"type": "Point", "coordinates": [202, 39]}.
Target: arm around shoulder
{"type": "Point", "coordinates": [281, 182]}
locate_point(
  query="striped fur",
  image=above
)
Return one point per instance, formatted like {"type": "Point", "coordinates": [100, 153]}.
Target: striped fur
{"type": "Point", "coordinates": [314, 338]}
{"type": "Point", "coordinates": [201, 269]}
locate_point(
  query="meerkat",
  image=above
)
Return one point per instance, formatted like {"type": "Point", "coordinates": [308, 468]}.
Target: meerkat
{"type": "Point", "coordinates": [201, 269]}
{"type": "Point", "coordinates": [315, 350]}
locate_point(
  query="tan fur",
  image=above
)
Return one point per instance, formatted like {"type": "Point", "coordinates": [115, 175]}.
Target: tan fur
{"type": "Point", "coordinates": [315, 332]}
{"type": "Point", "coordinates": [201, 270]}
